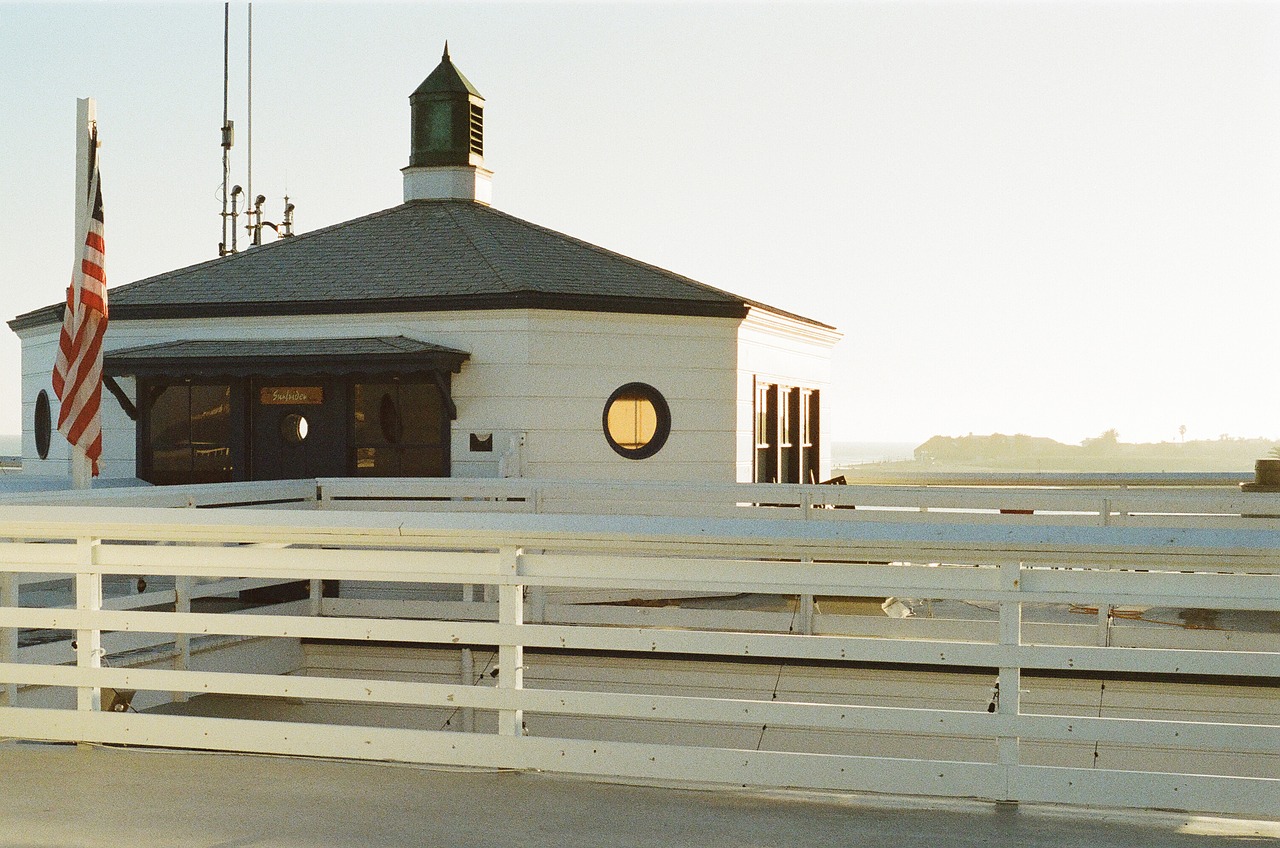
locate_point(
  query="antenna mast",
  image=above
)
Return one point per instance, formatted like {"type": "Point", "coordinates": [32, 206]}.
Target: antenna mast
{"type": "Point", "coordinates": [228, 131]}
{"type": "Point", "coordinates": [232, 194]}
{"type": "Point", "coordinates": [250, 101]}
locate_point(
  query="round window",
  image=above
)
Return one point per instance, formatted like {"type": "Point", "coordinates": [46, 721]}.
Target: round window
{"type": "Point", "coordinates": [637, 421]}
{"type": "Point", "coordinates": [43, 424]}
{"type": "Point", "coordinates": [293, 428]}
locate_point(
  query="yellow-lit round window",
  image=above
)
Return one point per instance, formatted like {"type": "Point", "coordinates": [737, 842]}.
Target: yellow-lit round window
{"type": "Point", "coordinates": [637, 421]}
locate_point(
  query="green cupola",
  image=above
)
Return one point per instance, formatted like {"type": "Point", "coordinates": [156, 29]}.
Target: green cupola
{"type": "Point", "coordinates": [448, 119]}
{"type": "Point", "coordinates": [446, 144]}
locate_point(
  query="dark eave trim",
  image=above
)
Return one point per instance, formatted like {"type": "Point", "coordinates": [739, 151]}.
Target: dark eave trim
{"type": "Point", "coordinates": [513, 300]}
{"type": "Point", "coordinates": [38, 317]}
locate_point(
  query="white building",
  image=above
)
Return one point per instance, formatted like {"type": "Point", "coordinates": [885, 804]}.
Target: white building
{"type": "Point", "coordinates": [441, 337]}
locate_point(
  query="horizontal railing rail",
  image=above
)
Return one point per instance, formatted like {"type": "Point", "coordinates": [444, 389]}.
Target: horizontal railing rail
{"type": "Point", "coordinates": [264, 494]}
{"type": "Point", "coordinates": [1205, 506]}
{"type": "Point", "coordinates": [1210, 506]}
{"type": "Point", "coordinates": [1061, 479]}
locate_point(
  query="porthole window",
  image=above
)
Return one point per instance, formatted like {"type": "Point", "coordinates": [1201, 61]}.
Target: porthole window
{"type": "Point", "coordinates": [43, 424]}
{"type": "Point", "coordinates": [637, 421]}
{"type": "Point", "coordinates": [293, 428]}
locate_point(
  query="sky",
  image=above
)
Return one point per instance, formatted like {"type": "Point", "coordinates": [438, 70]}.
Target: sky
{"type": "Point", "coordinates": [1052, 218]}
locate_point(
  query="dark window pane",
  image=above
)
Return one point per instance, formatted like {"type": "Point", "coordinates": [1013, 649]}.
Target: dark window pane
{"type": "Point", "coordinates": [190, 434]}
{"type": "Point", "coordinates": [377, 462]}
{"type": "Point", "coordinates": [43, 424]}
{"type": "Point", "coordinates": [422, 412]}
{"type": "Point", "coordinates": [813, 447]}
{"type": "Point", "coordinates": [423, 462]}
{"type": "Point", "coordinates": [789, 432]}
{"type": "Point", "coordinates": [389, 419]}
{"type": "Point", "coordinates": [399, 430]}
{"type": "Point", "coordinates": [211, 434]}
{"type": "Point", "coordinates": [171, 436]}
{"type": "Point", "coordinates": [367, 411]}
{"type": "Point", "coordinates": [766, 433]}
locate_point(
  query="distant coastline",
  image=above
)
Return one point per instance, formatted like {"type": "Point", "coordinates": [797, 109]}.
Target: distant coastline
{"type": "Point", "coordinates": [1105, 454]}
{"type": "Point", "coordinates": [844, 454]}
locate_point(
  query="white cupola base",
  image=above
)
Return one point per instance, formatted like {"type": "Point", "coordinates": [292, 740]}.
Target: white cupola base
{"type": "Point", "coordinates": [448, 182]}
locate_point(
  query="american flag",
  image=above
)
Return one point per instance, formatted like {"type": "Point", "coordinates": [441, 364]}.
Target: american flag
{"type": "Point", "coordinates": [77, 373]}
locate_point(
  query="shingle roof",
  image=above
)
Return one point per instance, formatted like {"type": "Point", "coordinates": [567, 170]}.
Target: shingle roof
{"type": "Point", "coordinates": [425, 255]}
{"type": "Point", "coordinates": [238, 357]}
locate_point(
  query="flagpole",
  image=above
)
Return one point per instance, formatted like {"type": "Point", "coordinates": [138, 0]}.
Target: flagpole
{"type": "Point", "coordinates": [86, 117]}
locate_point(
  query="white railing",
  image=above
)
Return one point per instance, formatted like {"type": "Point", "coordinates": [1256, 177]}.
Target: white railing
{"type": "Point", "coordinates": [525, 559]}
{"type": "Point", "coordinates": [1172, 506]}
{"type": "Point", "coordinates": [1180, 507]}
{"type": "Point", "coordinates": [872, 476]}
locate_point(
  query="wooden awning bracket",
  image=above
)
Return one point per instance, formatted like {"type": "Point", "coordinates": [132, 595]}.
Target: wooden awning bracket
{"type": "Point", "coordinates": [125, 403]}
{"type": "Point", "coordinates": [442, 383]}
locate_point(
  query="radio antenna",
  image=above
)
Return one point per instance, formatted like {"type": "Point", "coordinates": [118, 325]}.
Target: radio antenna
{"type": "Point", "coordinates": [250, 102]}
{"type": "Point", "coordinates": [227, 128]}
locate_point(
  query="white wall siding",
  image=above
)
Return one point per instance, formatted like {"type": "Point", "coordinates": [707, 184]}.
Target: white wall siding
{"type": "Point", "coordinates": [119, 433]}
{"type": "Point", "coordinates": [540, 376]}
{"type": "Point", "coordinates": [577, 360]}
{"type": "Point", "coordinates": [776, 349]}
{"type": "Point", "coordinates": [39, 349]}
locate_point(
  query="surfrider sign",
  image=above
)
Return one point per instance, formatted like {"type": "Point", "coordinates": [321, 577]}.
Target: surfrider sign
{"type": "Point", "coordinates": [282, 395]}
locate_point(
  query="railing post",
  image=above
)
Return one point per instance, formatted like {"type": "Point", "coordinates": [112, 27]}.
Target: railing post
{"type": "Point", "coordinates": [805, 623]}
{"type": "Point", "coordinates": [9, 636]}
{"type": "Point", "coordinates": [88, 640]}
{"type": "Point", "coordinates": [1009, 705]}
{"type": "Point", "coordinates": [1104, 625]}
{"type": "Point", "coordinates": [182, 586]}
{"type": "Point", "coordinates": [315, 597]}
{"type": "Point", "coordinates": [467, 717]}
{"type": "Point", "coordinates": [805, 608]}
{"type": "Point", "coordinates": [510, 652]}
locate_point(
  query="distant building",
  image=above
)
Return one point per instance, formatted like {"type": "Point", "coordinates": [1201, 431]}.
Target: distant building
{"type": "Point", "coordinates": [441, 337]}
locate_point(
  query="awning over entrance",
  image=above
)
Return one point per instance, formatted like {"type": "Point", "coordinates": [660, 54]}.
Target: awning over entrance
{"type": "Point", "coordinates": [204, 358]}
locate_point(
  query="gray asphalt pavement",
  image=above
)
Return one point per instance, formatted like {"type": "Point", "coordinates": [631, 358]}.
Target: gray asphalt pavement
{"type": "Point", "coordinates": [59, 796]}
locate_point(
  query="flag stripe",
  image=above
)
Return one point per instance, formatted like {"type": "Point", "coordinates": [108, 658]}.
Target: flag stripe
{"type": "Point", "coordinates": [77, 373]}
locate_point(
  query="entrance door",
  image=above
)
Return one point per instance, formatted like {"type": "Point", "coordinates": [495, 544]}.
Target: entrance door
{"type": "Point", "coordinates": [299, 429]}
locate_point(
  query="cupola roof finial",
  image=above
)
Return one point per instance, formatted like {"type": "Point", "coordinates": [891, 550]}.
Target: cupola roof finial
{"type": "Point", "coordinates": [446, 79]}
